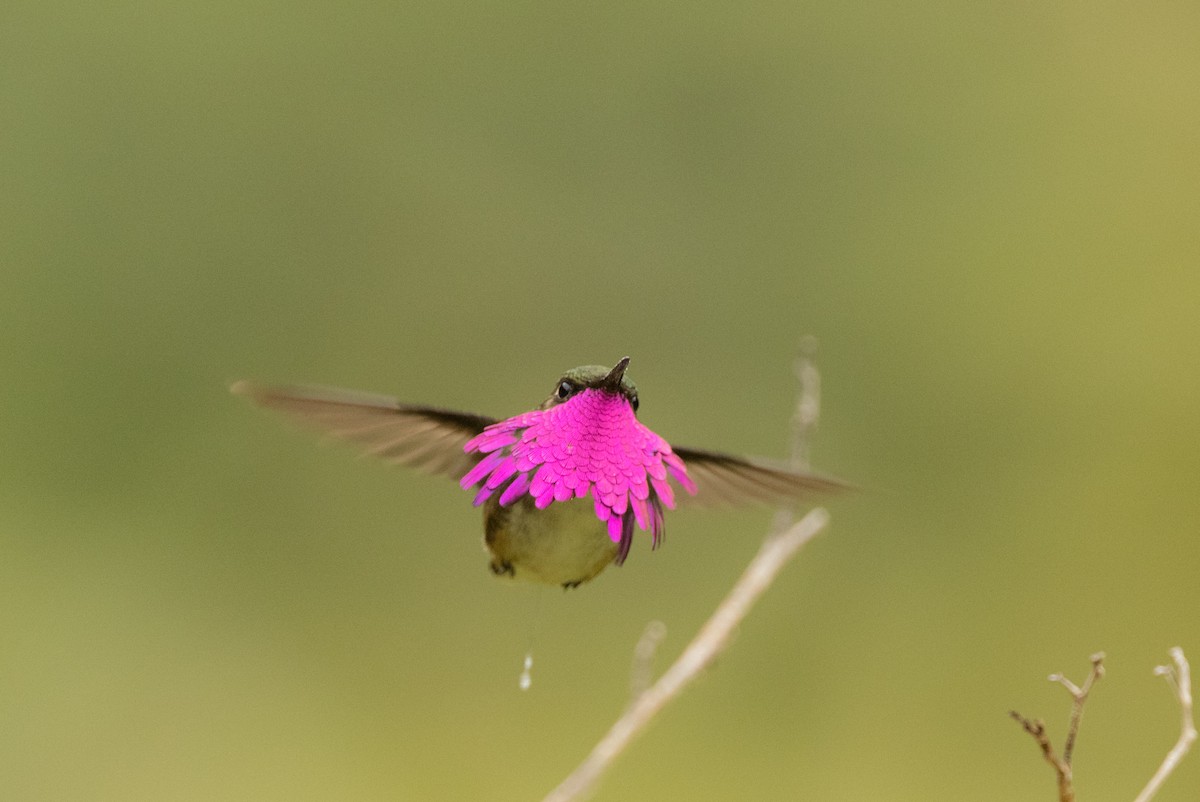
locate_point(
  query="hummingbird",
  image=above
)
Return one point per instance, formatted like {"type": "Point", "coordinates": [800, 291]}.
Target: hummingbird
{"type": "Point", "coordinates": [562, 486]}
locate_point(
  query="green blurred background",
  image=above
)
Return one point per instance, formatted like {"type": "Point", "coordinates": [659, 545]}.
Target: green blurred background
{"type": "Point", "coordinates": [987, 213]}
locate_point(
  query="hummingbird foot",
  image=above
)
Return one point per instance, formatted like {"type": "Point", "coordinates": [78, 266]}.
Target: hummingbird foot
{"type": "Point", "coordinates": [502, 568]}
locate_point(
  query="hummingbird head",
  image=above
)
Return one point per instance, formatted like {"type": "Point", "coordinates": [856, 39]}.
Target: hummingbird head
{"type": "Point", "coordinates": [595, 377]}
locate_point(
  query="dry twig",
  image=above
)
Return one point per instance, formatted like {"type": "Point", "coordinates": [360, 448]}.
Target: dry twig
{"type": "Point", "coordinates": [641, 674]}
{"type": "Point", "coordinates": [1036, 728]}
{"type": "Point", "coordinates": [714, 636]}
{"type": "Point", "coordinates": [804, 419]}
{"type": "Point", "coordinates": [1179, 677]}
{"type": "Point", "coordinates": [712, 639]}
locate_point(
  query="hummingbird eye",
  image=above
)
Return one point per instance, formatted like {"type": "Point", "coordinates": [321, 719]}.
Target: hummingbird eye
{"type": "Point", "coordinates": [564, 390]}
{"type": "Point", "coordinates": [634, 402]}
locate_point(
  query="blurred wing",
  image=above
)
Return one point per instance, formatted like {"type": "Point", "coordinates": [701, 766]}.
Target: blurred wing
{"type": "Point", "coordinates": [426, 438]}
{"type": "Point", "coordinates": [730, 479]}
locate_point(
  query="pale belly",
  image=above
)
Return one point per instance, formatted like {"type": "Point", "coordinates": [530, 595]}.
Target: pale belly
{"type": "Point", "coordinates": [564, 544]}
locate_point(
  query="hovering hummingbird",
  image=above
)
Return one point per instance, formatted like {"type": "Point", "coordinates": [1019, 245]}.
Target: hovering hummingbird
{"type": "Point", "coordinates": [562, 486]}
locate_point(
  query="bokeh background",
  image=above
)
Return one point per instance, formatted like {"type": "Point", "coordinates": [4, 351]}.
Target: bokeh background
{"type": "Point", "coordinates": [987, 213]}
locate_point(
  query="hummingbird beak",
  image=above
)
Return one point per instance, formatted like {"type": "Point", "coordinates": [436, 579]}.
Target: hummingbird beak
{"type": "Point", "coordinates": [612, 382]}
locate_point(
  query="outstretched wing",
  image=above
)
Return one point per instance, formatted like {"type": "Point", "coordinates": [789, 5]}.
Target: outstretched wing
{"type": "Point", "coordinates": [731, 479]}
{"type": "Point", "coordinates": [426, 438]}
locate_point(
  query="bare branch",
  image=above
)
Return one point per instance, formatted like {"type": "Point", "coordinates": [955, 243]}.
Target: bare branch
{"type": "Point", "coordinates": [1066, 791]}
{"type": "Point", "coordinates": [779, 547]}
{"type": "Point", "coordinates": [1079, 695]}
{"type": "Point", "coordinates": [641, 674]}
{"type": "Point", "coordinates": [804, 419]}
{"type": "Point", "coordinates": [709, 642]}
{"type": "Point", "coordinates": [1180, 679]}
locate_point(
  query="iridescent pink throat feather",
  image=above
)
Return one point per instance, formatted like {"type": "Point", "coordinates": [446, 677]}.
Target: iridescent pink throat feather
{"type": "Point", "coordinates": [592, 443]}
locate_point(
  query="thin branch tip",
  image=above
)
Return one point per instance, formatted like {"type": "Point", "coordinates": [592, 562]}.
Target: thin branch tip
{"type": "Point", "coordinates": [1179, 678]}
{"type": "Point", "coordinates": [641, 673]}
